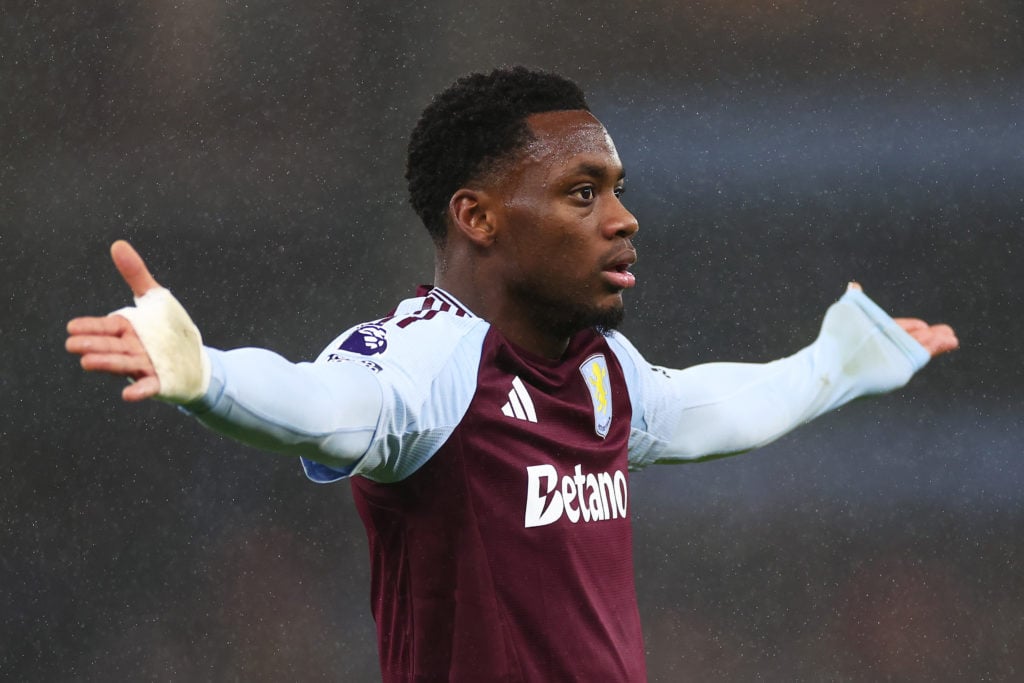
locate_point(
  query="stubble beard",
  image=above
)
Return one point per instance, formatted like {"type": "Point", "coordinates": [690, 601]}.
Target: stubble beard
{"type": "Point", "coordinates": [565, 317]}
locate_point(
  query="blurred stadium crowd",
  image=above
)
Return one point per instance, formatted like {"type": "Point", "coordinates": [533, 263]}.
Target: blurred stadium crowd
{"type": "Point", "coordinates": [254, 153]}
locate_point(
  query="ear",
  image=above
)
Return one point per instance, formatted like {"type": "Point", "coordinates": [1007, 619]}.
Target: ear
{"type": "Point", "coordinates": [469, 213]}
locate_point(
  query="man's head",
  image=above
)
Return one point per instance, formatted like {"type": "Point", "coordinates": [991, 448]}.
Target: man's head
{"type": "Point", "coordinates": [520, 186]}
{"type": "Point", "coordinates": [472, 128]}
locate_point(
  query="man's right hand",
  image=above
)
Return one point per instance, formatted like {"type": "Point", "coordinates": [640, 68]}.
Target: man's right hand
{"type": "Point", "coordinates": [109, 343]}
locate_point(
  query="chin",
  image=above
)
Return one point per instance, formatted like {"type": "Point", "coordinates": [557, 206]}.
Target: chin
{"type": "Point", "coordinates": [565, 316]}
{"type": "Point", "coordinates": [610, 319]}
{"type": "Point", "coordinates": [602, 318]}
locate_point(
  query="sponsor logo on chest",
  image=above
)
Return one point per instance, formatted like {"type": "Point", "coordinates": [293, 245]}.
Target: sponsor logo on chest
{"type": "Point", "coordinates": [591, 497]}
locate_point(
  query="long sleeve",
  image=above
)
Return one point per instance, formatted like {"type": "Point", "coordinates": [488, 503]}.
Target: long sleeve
{"type": "Point", "coordinates": [720, 409]}
{"type": "Point", "coordinates": [378, 401]}
{"type": "Point", "coordinates": [325, 412]}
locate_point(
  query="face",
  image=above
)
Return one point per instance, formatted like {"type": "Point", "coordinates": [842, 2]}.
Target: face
{"type": "Point", "coordinates": [563, 235]}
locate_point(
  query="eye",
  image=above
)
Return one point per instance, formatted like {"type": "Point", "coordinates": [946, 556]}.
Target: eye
{"type": "Point", "coordinates": [620, 190]}
{"type": "Point", "coordinates": [586, 193]}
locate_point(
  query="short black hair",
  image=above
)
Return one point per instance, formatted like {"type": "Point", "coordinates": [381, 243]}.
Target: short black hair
{"type": "Point", "coordinates": [473, 125]}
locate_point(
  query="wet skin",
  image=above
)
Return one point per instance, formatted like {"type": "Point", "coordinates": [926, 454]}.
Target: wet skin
{"type": "Point", "coordinates": [542, 249]}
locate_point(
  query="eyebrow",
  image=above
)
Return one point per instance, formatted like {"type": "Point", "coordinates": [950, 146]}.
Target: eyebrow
{"type": "Point", "coordinates": [596, 170]}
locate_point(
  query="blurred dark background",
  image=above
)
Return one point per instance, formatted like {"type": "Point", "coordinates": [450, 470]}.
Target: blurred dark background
{"type": "Point", "coordinates": [254, 153]}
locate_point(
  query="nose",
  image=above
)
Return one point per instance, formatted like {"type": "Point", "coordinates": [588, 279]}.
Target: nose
{"type": "Point", "coordinates": [620, 222]}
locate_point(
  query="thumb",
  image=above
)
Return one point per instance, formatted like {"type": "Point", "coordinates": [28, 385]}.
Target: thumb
{"type": "Point", "coordinates": [132, 268]}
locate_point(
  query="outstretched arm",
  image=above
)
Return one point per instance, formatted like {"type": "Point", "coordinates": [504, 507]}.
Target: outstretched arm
{"type": "Point", "coordinates": [327, 413]}
{"type": "Point", "coordinates": [720, 409]}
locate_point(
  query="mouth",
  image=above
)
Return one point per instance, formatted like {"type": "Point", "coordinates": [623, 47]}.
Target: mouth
{"type": "Point", "coordinates": [616, 272]}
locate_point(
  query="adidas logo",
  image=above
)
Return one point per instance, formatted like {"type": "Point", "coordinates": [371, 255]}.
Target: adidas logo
{"type": "Point", "coordinates": [520, 405]}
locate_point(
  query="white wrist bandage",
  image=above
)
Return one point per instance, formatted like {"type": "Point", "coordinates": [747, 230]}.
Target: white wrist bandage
{"type": "Point", "coordinates": [173, 343]}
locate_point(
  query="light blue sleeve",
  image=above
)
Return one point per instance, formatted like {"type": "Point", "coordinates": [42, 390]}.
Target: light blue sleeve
{"type": "Point", "coordinates": [719, 409]}
{"type": "Point", "coordinates": [327, 413]}
{"type": "Point", "coordinates": [379, 413]}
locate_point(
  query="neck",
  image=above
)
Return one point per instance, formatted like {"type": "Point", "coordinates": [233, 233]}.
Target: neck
{"type": "Point", "coordinates": [486, 298]}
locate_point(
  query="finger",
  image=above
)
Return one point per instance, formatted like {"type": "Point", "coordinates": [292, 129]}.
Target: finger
{"type": "Point", "coordinates": [147, 387]}
{"type": "Point", "coordinates": [854, 285]}
{"type": "Point", "coordinates": [113, 325]}
{"type": "Point", "coordinates": [126, 365]}
{"type": "Point", "coordinates": [945, 339]}
{"type": "Point", "coordinates": [937, 339]}
{"type": "Point", "coordinates": [132, 268]}
{"type": "Point", "coordinates": [911, 324]}
{"type": "Point", "coordinates": [82, 344]}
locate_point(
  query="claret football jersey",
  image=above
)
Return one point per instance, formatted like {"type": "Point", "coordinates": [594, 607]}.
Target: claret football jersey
{"type": "Point", "coordinates": [501, 546]}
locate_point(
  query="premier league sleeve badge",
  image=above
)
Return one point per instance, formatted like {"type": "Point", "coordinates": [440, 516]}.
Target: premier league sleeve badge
{"type": "Point", "coordinates": [370, 339]}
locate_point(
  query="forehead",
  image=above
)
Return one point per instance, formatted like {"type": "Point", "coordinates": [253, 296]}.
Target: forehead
{"type": "Point", "coordinates": [564, 136]}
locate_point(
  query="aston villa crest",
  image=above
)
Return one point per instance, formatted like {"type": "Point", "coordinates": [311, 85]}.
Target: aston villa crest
{"type": "Point", "coordinates": [595, 373]}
